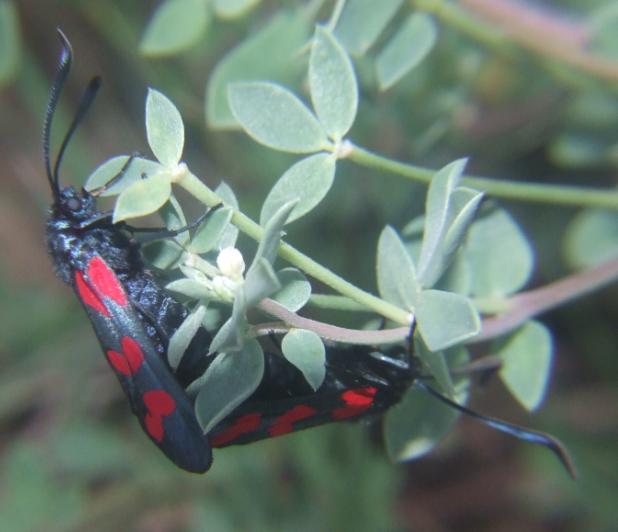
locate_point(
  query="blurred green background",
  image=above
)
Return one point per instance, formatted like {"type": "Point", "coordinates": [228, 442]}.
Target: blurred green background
{"type": "Point", "coordinates": [71, 455]}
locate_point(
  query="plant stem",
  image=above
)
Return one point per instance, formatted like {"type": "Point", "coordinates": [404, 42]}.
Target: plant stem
{"type": "Point", "coordinates": [204, 194]}
{"type": "Point", "coordinates": [333, 302]}
{"type": "Point", "coordinates": [529, 192]}
{"type": "Point", "coordinates": [326, 330]}
{"type": "Point", "coordinates": [526, 305]}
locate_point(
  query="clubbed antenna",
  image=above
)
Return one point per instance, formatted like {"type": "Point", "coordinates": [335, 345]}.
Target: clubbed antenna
{"type": "Point", "coordinates": [64, 67]}
{"type": "Point", "coordinates": [532, 436]}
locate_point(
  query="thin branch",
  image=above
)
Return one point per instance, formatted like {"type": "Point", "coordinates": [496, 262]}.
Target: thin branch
{"type": "Point", "coordinates": [529, 304]}
{"type": "Point", "coordinates": [514, 190]}
{"type": "Point", "coordinates": [325, 330]}
{"type": "Point", "coordinates": [523, 307]}
{"type": "Point", "coordinates": [201, 192]}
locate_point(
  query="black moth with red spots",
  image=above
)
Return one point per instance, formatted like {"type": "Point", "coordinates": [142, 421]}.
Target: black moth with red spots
{"type": "Point", "coordinates": [134, 319]}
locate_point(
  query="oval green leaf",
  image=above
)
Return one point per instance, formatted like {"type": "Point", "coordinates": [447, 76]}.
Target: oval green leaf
{"type": "Point", "coordinates": [499, 254]}
{"type": "Point", "coordinates": [280, 41]}
{"type": "Point", "coordinates": [228, 381]}
{"type": "Point", "coordinates": [143, 197]}
{"type": "Point", "coordinates": [362, 21]}
{"type": "Point", "coordinates": [332, 84]}
{"type": "Point", "coordinates": [209, 234]}
{"type": "Point", "coordinates": [437, 220]}
{"type": "Point", "coordinates": [181, 339]}
{"type": "Point", "coordinates": [591, 238]}
{"type": "Point", "coordinates": [275, 117]}
{"type": "Point", "coordinates": [307, 181]}
{"type": "Point", "coordinates": [411, 43]}
{"type": "Point", "coordinates": [415, 425]}
{"type": "Point", "coordinates": [138, 169]}
{"type": "Point", "coordinates": [295, 289]}
{"type": "Point", "coordinates": [395, 271]}
{"type": "Point", "coordinates": [305, 350]}
{"type": "Point", "coordinates": [175, 26]}
{"type": "Point", "coordinates": [526, 363]}
{"type": "Point", "coordinates": [437, 365]}
{"type": "Point", "coordinates": [445, 319]}
{"type": "Point", "coordinates": [418, 423]}
{"type": "Point", "coordinates": [164, 129]}
{"type": "Point", "coordinates": [189, 288]}
{"type": "Point", "coordinates": [273, 228]}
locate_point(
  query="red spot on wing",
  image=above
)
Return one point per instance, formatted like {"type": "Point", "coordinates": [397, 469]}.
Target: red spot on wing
{"type": "Point", "coordinates": [356, 402]}
{"type": "Point", "coordinates": [159, 404]}
{"type": "Point", "coordinates": [87, 296]}
{"type": "Point", "coordinates": [129, 360]}
{"type": "Point", "coordinates": [104, 281]}
{"type": "Point", "coordinates": [285, 423]}
{"type": "Point", "coordinates": [243, 425]}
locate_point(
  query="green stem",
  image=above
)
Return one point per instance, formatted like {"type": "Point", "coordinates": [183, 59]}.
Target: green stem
{"type": "Point", "coordinates": [204, 194]}
{"type": "Point", "coordinates": [528, 192]}
{"type": "Point", "coordinates": [333, 302]}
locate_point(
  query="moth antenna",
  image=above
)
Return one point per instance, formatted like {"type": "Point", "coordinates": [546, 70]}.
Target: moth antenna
{"type": "Point", "coordinates": [62, 72]}
{"type": "Point", "coordinates": [84, 105]}
{"type": "Point", "coordinates": [522, 433]}
{"type": "Point", "coordinates": [64, 66]}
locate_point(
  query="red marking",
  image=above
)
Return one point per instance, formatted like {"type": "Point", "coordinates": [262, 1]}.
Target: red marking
{"type": "Point", "coordinates": [104, 281]}
{"type": "Point", "coordinates": [356, 402]}
{"type": "Point", "coordinates": [159, 404]}
{"type": "Point", "coordinates": [87, 296]}
{"type": "Point", "coordinates": [243, 425]}
{"type": "Point", "coordinates": [285, 423]}
{"type": "Point", "coordinates": [129, 360]}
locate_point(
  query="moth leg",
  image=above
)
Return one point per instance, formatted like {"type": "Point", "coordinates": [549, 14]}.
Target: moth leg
{"type": "Point", "coordinates": [98, 191]}
{"type": "Point", "coordinates": [156, 233]}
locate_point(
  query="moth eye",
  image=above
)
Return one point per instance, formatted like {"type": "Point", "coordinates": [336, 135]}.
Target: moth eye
{"type": "Point", "coordinates": [74, 204]}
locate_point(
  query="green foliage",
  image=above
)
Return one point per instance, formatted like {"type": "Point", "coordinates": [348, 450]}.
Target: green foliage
{"type": "Point", "coordinates": [307, 181]}
{"type": "Point", "coordinates": [113, 167]}
{"type": "Point", "coordinates": [143, 197]}
{"type": "Point", "coordinates": [406, 49]}
{"type": "Point", "coordinates": [175, 26]}
{"type": "Point", "coordinates": [499, 254]}
{"type": "Point", "coordinates": [526, 363]}
{"type": "Point", "coordinates": [424, 83]}
{"type": "Point", "coordinates": [332, 84]}
{"type": "Point", "coordinates": [416, 425]}
{"type": "Point", "coordinates": [210, 234]}
{"type": "Point", "coordinates": [276, 118]}
{"type": "Point", "coordinates": [180, 340]}
{"type": "Point", "coordinates": [591, 238]}
{"type": "Point", "coordinates": [228, 381]}
{"type": "Point", "coordinates": [362, 21]}
{"type": "Point", "coordinates": [306, 351]}
{"type": "Point", "coordinates": [295, 289]}
{"type": "Point", "coordinates": [395, 270]}
{"type": "Point", "coordinates": [280, 40]}
{"type": "Point", "coordinates": [164, 129]}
